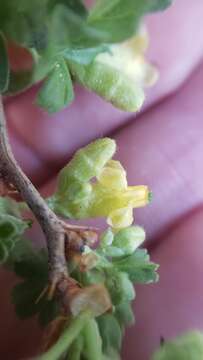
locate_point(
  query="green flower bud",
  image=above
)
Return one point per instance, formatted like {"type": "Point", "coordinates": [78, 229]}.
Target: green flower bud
{"type": "Point", "coordinates": [129, 239]}
{"type": "Point", "coordinates": [86, 163]}
{"type": "Point", "coordinates": [113, 176]}
{"type": "Point", "coordinates": [106, 238]}
{"type": "Point", "coordinates": [186, 347]}
{"type": "Point", "coordinates": [111, 84]}
{"type": "Point", "coordinates": [113, 252]}
{"type": "Point", "coordinates": [119, 286]}
{"type": "Point", "coordinates": [93, 185]}
{"type": "Point", "coordinates": [120, 75]}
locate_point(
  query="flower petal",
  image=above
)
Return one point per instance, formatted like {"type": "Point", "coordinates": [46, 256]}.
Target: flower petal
{"type": "Point", "coordinates": [121, 218]}
{"type": "Point", "coordinates": [113, 176]}
{"type": "Point", "coordinates": [138, 196]}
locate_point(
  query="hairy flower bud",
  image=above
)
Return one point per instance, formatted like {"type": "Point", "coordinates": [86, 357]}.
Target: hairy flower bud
{"type": "Point", "coordinates": [129, 239]}
{"type": "Point", "coordinates": [120, 75]}
{"type": "Point", "coordinates": [80, 195]}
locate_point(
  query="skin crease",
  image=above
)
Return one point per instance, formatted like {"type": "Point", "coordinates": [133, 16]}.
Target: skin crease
{"type": "Point", "coordinates": [162, 147]}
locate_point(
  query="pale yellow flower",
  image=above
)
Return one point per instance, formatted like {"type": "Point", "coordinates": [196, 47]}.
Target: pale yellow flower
{"type": "Point", "coordinates": [93, 185]}
{"type": "Point", "coordinates": [129, 58]}
{"type": "Point", "coordinates": [114, 198]}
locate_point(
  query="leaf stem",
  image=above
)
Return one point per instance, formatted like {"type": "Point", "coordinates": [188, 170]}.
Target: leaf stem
{"type": "Point", "coordinates": [93, 342]}
{"type": "Point", "coordinates": [76, 349]}
{"type": "Point", "coordinates": [67, 338]}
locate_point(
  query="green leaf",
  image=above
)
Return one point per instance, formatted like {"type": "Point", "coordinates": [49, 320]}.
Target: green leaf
{"type": "Point", "coordinates": [138, 267]}
{"type": "Point", "coordinates": [158, 5]}
{"type": "Point", "coordinates": [12, 227]}
{"type": "Point", "coordinates": [24, 22]}
{"type": "Point", "coordinates": [92, 277]}
{"type": "Point", "coordinates": [57, 91]}
{"type": "Point", "coordinates": [11, 207]}
{"type": "Point", "coordinates": [32, 268]}
{"type": "Point", "coordinates": [124, 314]}
{"type": "Point", "coordinates": [186, 347]}
{"type": "Point", "coordinates": [110, 332]}
{"type": "Point", "coordinates": [77, 6]}
{"type": "Point", "coordinates": [69, 29]}
{"type": "Point", "coordinates": [83, 56]}
{"type": "Point", "coordinates": [48, 311]}
{"type": "Point", "coordinates": [113, 252]}
{"type": "Point", "coordinates": [4, 65]}
{"type": "Point", "coordinates": [119, 18]}
{"type": "Point", "coordinates": [21, 250]}
{"type": "Point", "coordinates": [3, 253]}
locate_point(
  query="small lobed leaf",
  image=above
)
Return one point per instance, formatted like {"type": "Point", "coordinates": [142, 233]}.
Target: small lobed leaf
{"type": "Point", "coordinates": [11, 231]}
{"type": "Point", "coordinates": [158, 5]}
{"type": "Point", "coordinates": [138, 267]}
{"type": "Point", "coordinates": [83, 56]}
{"type": "Point", "coordinates": [31, 266]}
{"type": "Point", "coordinates": [12, 227]}
{"type": "Point", "coordinates": [24, 22]}
{"type": "Point", "coordinates": [120, 19]}
{"type": "Point", "coordinates": [57, 91]}
{"type": "Point", "coordinates": [66, 29]}
{"type": "Point", "coordinates": [10, 207]}
{"type": "Point", "coordinates": [113, 252]}
{"type": "Point", "coordinates": [77, 6]}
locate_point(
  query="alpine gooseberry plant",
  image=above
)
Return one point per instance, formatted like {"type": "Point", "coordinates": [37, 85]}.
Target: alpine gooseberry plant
{"type": "Point", "coordinates": [81, 287]}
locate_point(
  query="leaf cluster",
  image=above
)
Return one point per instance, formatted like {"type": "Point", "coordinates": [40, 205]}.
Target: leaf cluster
{"type": "Point", "coordinates": [119, 273]}
{"type": "Point", "coordinates": [32, 268]}
{"type": "Point", "coordinates": [12, 227]}
{"type": "Point", "coordinates": [64, 37]}
{"type": "Point", "coordinates": [29, 264]}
